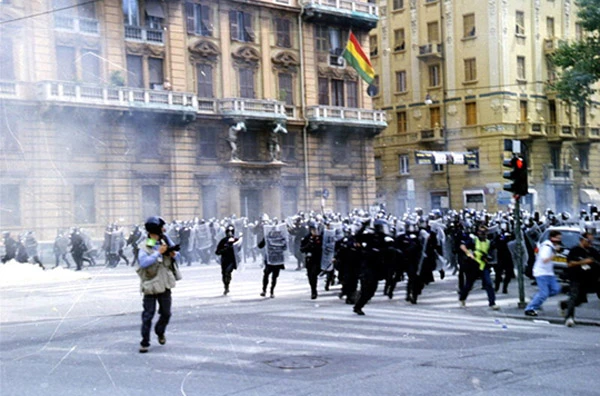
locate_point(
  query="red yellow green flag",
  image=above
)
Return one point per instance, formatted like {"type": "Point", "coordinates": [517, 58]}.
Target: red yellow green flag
{"type": "Point", "coordinates": [356, 58]}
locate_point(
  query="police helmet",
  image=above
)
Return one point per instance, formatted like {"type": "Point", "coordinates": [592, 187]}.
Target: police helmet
{"type": "Point", "coordinates": [154, 225]}
{"type": "Point", "coordinates": [230, 230]}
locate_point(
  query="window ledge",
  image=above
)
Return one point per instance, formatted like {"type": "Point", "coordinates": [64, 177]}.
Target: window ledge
{"type": "Point", "coordinates": [521, 81]}
{"type": "Point", "coordinates": [398, 52]}
{"type": "Point", "coordinates": [440, 172]}
{"type": "Point", "coordinates": [403, 174]}
{"type": "Point", "coordinates": [434, 87]}
{"type": "Point", "coordinates": [431, 2]}
{"type": "Point", "coordinates": [400, 93]}
{"type": "Point", "coordinates": [521, 36]}
{"type": "Point", "coordinates": [399, 10]}
{"type": "Point", "coordinates": [470, 82]}
{"type": "Point", "coordinates": [473, 170]}
{"type": "Point", "coordinates": [468, 38]}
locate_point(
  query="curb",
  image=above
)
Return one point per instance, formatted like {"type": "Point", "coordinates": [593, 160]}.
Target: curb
{"type": "Point", "coordinates": [554, 320]}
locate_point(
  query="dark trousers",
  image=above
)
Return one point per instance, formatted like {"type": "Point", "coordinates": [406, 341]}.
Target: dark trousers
{"type": "Point", "coordinates": [78, 258]}
{"type": "Point", "coordinates": [350, 282]}
{"type": "Point", "coordinates": [164, 312]}
{"type": "Point", "coordinates": [368, 287]}
{"type": "Point", "coordinates": [313, 271]}
{"type": "Point", "coordinates": [270, 269]}
{"type": "Point", "coordinates": [472, 275]}
{"type": "Point", "coordinates": [226, 271]}
{"type": "Point", "coordinates": [577, 295]}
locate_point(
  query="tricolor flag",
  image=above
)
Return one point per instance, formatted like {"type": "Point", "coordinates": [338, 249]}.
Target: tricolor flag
{"type": "Point", "coordinates": [356, 58]}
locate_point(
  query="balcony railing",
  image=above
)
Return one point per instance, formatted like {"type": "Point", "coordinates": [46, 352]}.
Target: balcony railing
{"type": "Point", "coordinates": [347, 5]}
{"type": "Point", "coordinates": [360, 13]}
{"type": "Point", "coordinates": [432, 135]}
{"type": "Point", "coordinates": [253, 108]}
{"type": "Point", "coordinates": [345, 115]}
{"type": "Point", "coordinates": [430, 50]}
{"type": "Point", "coordinates": [9, 89]}
{"type": "Point", "coordinates": [67, 92]}
{"type": "Point", "coordinates": [551, 45]}
{"type": "Point", "coordinates": [559, 175]}
{"type": "Point", "coordinates": [138, 33]}
{"type": "Point", "coordinates": [81, 25]}
{"type": "Point", "coordinates": [528, 129]}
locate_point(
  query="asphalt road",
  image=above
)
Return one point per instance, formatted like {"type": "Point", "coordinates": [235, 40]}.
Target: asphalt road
{"type": "Point", "coordinates": [81, 338]}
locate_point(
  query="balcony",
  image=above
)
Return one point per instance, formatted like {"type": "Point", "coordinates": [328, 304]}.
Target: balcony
{"type": "Point", "coordinates": [351, 13]}
{"type": "Point", "coordinates": [118, 98]}
{"type": "Point", "coordinates": [257, 109]}
{"type": "Point", "coordinates": [551, 45]}
{"type": "Point", "coordinates": [560, 132]}
{"type": "Point", "coordinates": [146, 35]}
{"type": "Point", "coordinates": [558, 176]}
{"type": "Point", "coordinates": [431, 51]}
{"type": "Point", "coordinates": [10, 90]}
{"type": "Point", "coordinates": [528, 130]}
{"type": "Point", "coordinates": [76, 25]}
{"type": "Point", "coordinates": [323, 117]}
{"type": "Point", "coordinates": [587, 134]}
{"type": "Point", "coordinates": [433, 136]}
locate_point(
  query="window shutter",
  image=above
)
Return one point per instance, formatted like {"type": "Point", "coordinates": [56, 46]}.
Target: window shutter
{"type": "Point", "coordinates": [233, 25]}
{"type": "Point", "coordinates": [189, 17]}
{"type": "Point", "coordinates": [206, 19]}
{"type": "Point", "coordinates": [248, 26]}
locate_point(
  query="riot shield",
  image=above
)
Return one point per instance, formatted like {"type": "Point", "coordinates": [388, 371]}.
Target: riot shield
{"type": "Point", "coordinates": [276, 243]}
{"type": "Point", "coordinates": [203, 239]}
{"type": "Point", "coordinates": [328, 250]}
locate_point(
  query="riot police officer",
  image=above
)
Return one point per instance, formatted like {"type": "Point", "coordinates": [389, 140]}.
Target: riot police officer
{"type": "Point", "coordinates": [312, 247]}
{"type": "Point", "coordinates": [226, 249]}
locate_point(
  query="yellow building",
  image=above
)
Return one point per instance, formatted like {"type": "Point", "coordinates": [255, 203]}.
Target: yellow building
{"type": "Point", "coordinates": [462, 76]}
{"type": "Point", "coordinates": [119, 109]}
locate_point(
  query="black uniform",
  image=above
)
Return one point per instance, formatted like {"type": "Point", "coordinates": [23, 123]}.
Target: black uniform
{"type": "Point", "coordinates": [312, 247]}
{"type": "Point", "coordinates": [411, 248]}
{"type": "Point", "coordinates": [226, 250]}
{"type": "Point", "coordinates": [375, 251]}
{"type": "Point", "coordinates": [347, 263]}
{"type": "Point", "coordinates": [78, 249]}
{"type": "Point", "coordinates": [504, 268]}
{"type": "Point", "coordinates": [10, 248]}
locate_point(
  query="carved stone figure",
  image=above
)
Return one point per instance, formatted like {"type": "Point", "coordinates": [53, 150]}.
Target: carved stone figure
{"type": "Point", "coordinates": [274, 147]}
{"type": "Point", "coordinates": [232, 139]}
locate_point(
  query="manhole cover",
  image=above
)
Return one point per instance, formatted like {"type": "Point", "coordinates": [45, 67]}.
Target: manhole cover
{"type": "Point", "coordinates": [297, 362]}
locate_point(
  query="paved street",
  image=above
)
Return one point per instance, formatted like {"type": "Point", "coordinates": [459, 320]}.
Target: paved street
{"type": "Point", "coordinates": [81, 337]}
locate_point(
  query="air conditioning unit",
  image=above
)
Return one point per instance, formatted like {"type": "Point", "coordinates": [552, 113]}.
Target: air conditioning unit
{"type": "Point", "coordinates": [337, 61]}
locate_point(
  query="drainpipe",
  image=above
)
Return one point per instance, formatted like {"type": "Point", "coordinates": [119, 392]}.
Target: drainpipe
{"type": "Point", "coordinates": [303, 109]}
{"type": "Point", "coordinates": [444, 95]}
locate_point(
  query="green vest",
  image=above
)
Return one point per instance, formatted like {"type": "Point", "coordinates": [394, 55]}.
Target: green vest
{"type": "Point", "coordinates": [481, 250]}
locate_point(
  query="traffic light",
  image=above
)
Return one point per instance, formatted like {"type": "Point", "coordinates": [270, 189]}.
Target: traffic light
{"type": "Point", "coordinates": [518, 176]}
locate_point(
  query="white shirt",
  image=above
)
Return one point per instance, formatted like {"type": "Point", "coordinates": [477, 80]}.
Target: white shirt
{"type": "Point", "coordinates": [540, 267]}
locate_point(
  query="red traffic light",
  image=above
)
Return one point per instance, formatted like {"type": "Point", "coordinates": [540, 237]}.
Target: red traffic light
{"type": "Point", "coordinates": [519, 163]}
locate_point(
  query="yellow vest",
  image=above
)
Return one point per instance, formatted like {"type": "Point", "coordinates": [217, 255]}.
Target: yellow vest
{"type": "Point", "coordinates": [481, 250]}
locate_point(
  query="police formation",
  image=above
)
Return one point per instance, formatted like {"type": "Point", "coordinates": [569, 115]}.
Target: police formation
{"type": "Point", "coordinates": [357, 250]}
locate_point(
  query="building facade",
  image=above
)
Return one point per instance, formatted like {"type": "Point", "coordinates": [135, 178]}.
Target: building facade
{"type": "Point", "coordinates": [462, 76]}
{"type": "Point", "coordinates": [119, 109]}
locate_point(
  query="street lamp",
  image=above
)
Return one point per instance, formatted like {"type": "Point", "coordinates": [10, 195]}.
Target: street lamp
{"type": "Point", "coordinates": [428, 100]}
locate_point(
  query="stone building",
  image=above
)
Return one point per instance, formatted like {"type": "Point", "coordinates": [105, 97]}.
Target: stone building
{"type": "Point", "coordinates": [119, 109]}
{"type": "Point", "coordinates": [462, 76]}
